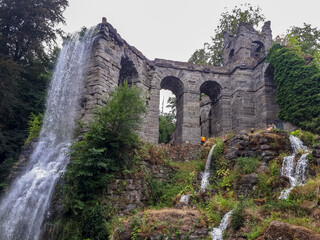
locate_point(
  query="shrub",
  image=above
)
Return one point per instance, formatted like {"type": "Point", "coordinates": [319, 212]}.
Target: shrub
{"type": "Point", "coordinates": [107, 148]}
{"type": "Point", "coordinates": [34, 126]}
{"type": "Point", "coordinates": [218, 150]}
{"type": "Point", "coordinates": [237, 220]}
{"type": "Point", "coordinates": [248, 164]}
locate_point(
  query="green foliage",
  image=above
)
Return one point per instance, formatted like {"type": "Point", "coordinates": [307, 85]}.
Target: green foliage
{"type": "Point", "coordinates": [163, 192]}
{"type": "Point", "coordinates": [218, 150]}
{"type": "Point", "coordinates": [25, 26]}
{"type": "Point", "coordinates": [105, 149]}
{"type": "Point", "coordinates": [212, 53]}
{"type": "Point", "coordinates": [34, 126]}
{"type": "Point", "coordinates": [248, 164]}
{"type": "Point", "coordinates": [26, 30]}
{"type": "Point", "coordinates": [305, 40]}
{"type": "Point", "coordinates": [217, 206]}
{"type": "Point", "coordinates": [166, 127]}
{"type": "Point", "coordinates": [237, 220]}
{"type": "Point", "coordinates": [298, 88]}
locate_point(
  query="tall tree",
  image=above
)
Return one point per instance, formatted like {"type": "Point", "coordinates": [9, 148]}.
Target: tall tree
{"type": "Point", "coordinates": [212, 53]}
{"type": "Point", "coordinates": [304, 40]}
{"type": "Point", "coordinates": [26, 25]}
{"type": "Point", "coordinates": [27, 35]}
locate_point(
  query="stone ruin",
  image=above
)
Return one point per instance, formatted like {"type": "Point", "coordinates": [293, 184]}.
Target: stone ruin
{"type": "Point", "coordinates": [237, 96]}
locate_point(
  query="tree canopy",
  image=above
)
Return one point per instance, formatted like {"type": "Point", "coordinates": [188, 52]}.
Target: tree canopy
{"type": "Point", "coordinates": [212, 53]}
{"type": "Point", "coordinates": [26, 25]}
{"type": "Point", "coordinates": [28, 30]}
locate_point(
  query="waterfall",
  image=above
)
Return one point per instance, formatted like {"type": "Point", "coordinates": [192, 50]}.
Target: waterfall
{"type": "Point", "coordinates": [297, 175]}
{"type": "Point", "coordinates": [23, 207]}
{"type": "Point", "coordinates": [206, 173]}
{"type": "Point", "coordinates": [216, 233]}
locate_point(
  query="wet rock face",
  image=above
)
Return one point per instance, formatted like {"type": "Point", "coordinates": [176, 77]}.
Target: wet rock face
{"type": "Point", "coordinates": [24, 157]}
{"type": "Point", "coordinates": [283, 231]}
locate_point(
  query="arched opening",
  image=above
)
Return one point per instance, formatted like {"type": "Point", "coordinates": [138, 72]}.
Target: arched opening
{"type": "Point", "coordinates": [171, 109]}
{"type": "Point", "coordinates": [210, 109]}
{"type": "Point", "coordinates": [231, 54]}
{"type": "Point", "coordinates": [128, 72]}
{"type": "Point", "coordinates": [257, 49]}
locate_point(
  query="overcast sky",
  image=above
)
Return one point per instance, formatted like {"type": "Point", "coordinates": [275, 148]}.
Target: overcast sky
{"type": "Point", "coordinates": [174, 29]}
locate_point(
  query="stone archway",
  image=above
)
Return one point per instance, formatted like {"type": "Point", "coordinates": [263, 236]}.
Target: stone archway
{"type": "Point", "coordinates": [211, 109]}
{"type": "Point", "coordinates": [175, 85]}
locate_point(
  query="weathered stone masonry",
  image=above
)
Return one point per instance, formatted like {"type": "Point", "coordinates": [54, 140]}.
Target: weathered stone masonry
{"type": "Point", "coordinates": [240, 95]}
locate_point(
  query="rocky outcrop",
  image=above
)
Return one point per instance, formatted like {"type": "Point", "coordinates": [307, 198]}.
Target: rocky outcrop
{"type": "Point", "coordinates": [266, 144]}
{"type": "Point", "coordinates": [247, 184]}
{"type": "Point", "coordinates": [283, 231]}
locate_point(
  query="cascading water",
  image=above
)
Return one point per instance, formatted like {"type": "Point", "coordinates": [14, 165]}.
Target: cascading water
{"type": "Point", "coordinates": [23, 208]}
{"type": "Point", "coordinates": [296, 175]}
{"type": "Point", "coordinates": [204, 179]}
{"type": "Point", "coordinates": [216, 233]}
{"type": "Point", "coordinates": [206, 173]}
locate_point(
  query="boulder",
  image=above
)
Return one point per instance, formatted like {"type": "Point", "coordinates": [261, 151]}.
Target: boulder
{"type": "Point", "coordinates": [283, 231]}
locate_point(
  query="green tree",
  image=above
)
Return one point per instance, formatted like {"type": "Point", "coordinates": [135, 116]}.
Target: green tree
{"type": "Point", "coordinates": [306, 38]}
{"type": "Point", "coordinates": [212, 53]}
{"type": "Point", "coordinates": [166, 127]}
{"type": "Point", "coordinates": [105, 149]}
{"type": "Point", "coordinates": [26, 25]}
{"type": "Point", "coordinates": [27, 28]}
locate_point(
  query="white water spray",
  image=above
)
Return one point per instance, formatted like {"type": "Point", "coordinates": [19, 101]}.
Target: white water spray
{"type": "Point", "coordinates": [204, 180]}
{"type": "Point", "coordinates": [297, 175]}
{"type": "Point", "coordinates": [206, 173]}
{"type": "Point", "coordinates": [23, 208]}
{"type": "Point", "coordinates": [217, 233]}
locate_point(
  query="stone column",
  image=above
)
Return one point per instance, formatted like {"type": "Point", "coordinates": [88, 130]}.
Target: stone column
{"type": "Point", "coordinates": [191, 118]}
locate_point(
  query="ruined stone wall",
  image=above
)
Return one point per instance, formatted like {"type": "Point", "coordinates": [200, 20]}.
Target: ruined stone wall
{"type": "Point", "coordinates": [242, 92]}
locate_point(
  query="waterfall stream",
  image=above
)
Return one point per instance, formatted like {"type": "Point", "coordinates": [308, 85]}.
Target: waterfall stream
{"type": "Point", "coordinates": [204, 180]}
{"type": "Point", "coordinates": [23, 207]}
{"type": "Point", "coordinates": [297, 175]}
{"type": "Point", "coordinates": [217, 233]}
{"type": "Point", "coordinates": [206, 173]}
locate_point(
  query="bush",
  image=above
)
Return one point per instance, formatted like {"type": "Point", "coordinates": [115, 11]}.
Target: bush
{"type": "Point", "coordinates": [34, 126]}
{"type": "Point", "coordinates": [107, 148]}
{"type": "Point", "coordinates": [218, 150]}
{"type": "Point", "coordinates": [166, 127]}
{"type": "Point", "coordinates": [237, 220]}
{"type": "Point", "coordinates": [248, 164]}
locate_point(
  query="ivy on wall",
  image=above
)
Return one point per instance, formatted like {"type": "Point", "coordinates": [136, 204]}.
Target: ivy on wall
{"type": "Point", "coordinates": [298, 88]}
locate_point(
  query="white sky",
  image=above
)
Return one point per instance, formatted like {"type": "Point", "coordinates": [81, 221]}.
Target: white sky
{"type": "Point", "coordinates": [174, 29]}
